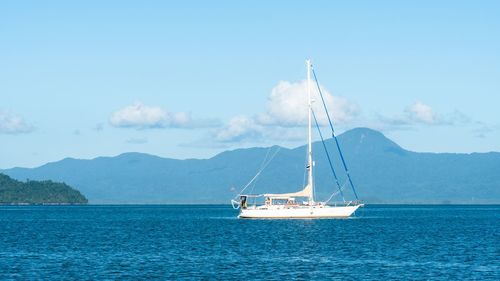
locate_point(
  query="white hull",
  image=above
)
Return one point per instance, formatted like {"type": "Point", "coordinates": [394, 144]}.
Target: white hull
{"type": "Point", "coordinates": [299, 212]}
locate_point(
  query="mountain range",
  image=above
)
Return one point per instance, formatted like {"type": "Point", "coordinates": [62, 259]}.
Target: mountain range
{"type": "Point", "coordinates": [381, 170]}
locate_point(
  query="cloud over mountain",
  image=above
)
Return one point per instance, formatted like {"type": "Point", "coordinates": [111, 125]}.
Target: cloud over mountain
{"type": "Point", "coordinates": [140, 116]}
{"type": "Point", "coordinates": [286, 110]}
{"type": "Point", "coordinates": [239, 128]}
{"type": "Point", "coordinates": [287, 105]}
{"type": "Point", "coordinates": [420, 113]}
{"type": "Point", "coordinates": [13, 124]}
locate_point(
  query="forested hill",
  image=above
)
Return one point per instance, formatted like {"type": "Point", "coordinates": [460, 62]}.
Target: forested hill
{"type": "Point", "coordinates": [38, 192]}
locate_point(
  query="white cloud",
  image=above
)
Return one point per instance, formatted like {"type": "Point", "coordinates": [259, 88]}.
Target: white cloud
{"type": "Point", "coordinates": [140, 116]}
{"type": "Point", "coordinates": [245, 129]}
{"type": "Point", "coordinates": [286, 113]}
{"type": "Point", "coordinates": [420, 112]}
{"type": "Point", "coordinates": [13, 124]}
{"type": "Point", "coordinates": [239, 128]}
{"type": "Point", "coordinates": [287, 106]}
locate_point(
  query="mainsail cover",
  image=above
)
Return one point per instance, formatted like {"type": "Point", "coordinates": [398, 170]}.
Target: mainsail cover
{"type": "Point", "coordinates": [306, 192]}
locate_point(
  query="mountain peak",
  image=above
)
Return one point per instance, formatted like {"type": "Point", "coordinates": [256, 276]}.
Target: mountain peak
{"type": "Point", "coordinates": [360, 131]}
{"type": "Point", "coordinates": [369, 139]}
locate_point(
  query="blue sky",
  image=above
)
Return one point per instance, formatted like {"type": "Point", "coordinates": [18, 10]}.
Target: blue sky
{"type": "Point", "coordinates": [189, 79]}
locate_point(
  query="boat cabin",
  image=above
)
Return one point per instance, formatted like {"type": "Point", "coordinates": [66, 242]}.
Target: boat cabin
{"type": "Point", "coordinates": [247, 201]}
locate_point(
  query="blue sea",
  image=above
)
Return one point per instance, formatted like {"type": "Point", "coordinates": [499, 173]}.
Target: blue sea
{"type": "Point", "coordinates": [208, 242]}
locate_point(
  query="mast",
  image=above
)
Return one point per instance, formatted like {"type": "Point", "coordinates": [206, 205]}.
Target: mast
{"type": "Point", "coordinates": [309, 137]}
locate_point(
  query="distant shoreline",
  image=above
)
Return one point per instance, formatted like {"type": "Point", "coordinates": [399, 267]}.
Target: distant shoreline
{"type": "Point", "coordinates": [198, 204]}
{"type": "Point", "coordinates": [41, 204]}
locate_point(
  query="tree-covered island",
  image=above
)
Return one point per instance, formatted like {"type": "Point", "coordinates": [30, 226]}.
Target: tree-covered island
{"type": "Point", "coordinates": [37, 192]}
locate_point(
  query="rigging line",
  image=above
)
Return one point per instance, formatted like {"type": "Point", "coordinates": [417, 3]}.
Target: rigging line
{"type": "Point", "coordinates": [260, 171]}
{"type": "Point", "coordinates": [253, 186]}
{"type": "Point", "coordinates": [261, 165]}
{"type": "Point", "coordinates": [272, 157]}
{"type": "Point", "coordinates": [328, 155]}
{"type": "Point", "coordinates": [333, 134]}
{"type": "Point", "coordinates": [265, 158]}
{"type": "Point", "coordinates": [336, 192]}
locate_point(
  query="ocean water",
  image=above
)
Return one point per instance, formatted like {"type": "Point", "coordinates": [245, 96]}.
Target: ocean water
{"type": "Point", "coordinates": [200, 242]}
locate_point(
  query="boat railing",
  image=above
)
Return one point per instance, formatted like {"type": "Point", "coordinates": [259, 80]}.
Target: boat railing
{"type": "Point", "coordinates": [252, 205]}
{"type": "Point", "coordinates": [348, 203]}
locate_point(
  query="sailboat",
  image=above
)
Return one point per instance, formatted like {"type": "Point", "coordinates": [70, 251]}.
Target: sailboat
{"type": "Point", "coordinates": [302, 203]}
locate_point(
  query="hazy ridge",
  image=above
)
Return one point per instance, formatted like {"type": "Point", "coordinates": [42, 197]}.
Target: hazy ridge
{"type": "Point", "coordinates": [382, 171]}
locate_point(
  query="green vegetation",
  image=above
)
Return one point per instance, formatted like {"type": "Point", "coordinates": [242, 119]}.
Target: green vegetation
{"type": "Point", "coordinates": [37, 192]}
